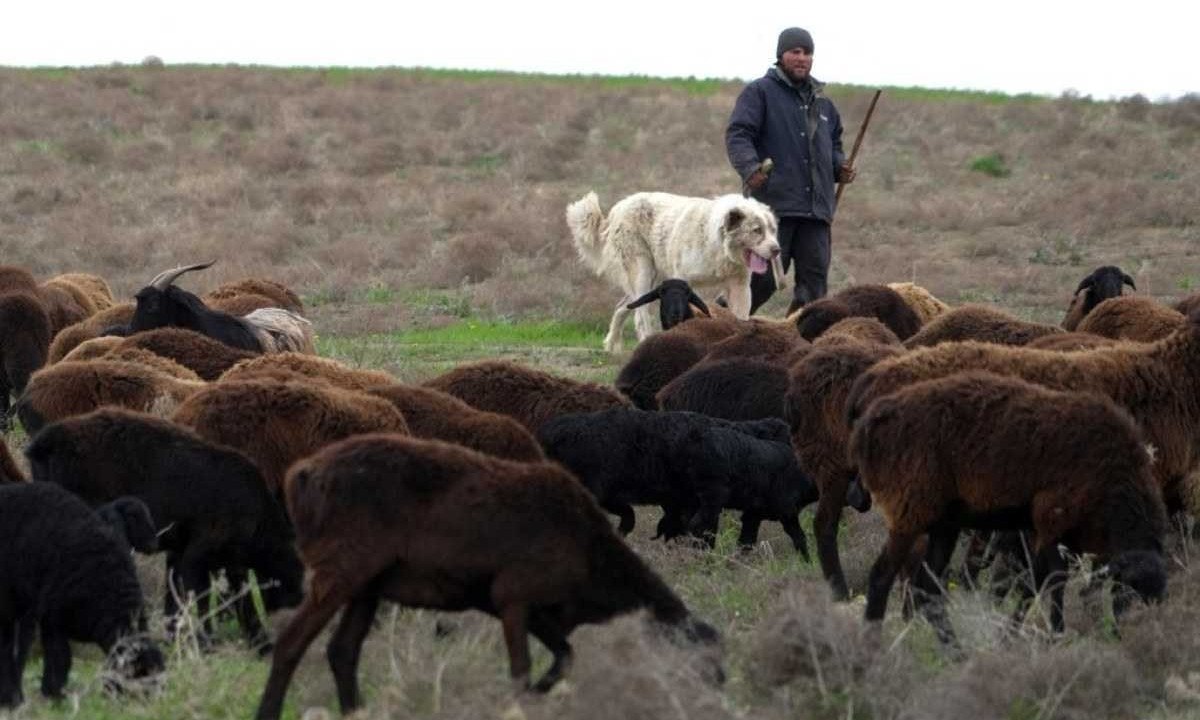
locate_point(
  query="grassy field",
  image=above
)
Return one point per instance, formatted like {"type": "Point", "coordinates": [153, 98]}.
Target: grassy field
{"type": "Point", "coordinates": [419, 214]}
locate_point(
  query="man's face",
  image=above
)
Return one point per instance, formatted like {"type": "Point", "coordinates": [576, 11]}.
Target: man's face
{"type": "Point", "coordinates": [796, 63]}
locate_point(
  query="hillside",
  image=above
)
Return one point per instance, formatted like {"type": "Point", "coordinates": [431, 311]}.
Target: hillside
{"type": "Point", "coordinates": [402, 195]}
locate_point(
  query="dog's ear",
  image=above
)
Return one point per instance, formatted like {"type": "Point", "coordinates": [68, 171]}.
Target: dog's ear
{"type": "Point", "coordinates": [733, 218]}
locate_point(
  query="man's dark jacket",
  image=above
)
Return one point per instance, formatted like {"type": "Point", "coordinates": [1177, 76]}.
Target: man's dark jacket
{"type": "Point", "coordinates": [797, 127]}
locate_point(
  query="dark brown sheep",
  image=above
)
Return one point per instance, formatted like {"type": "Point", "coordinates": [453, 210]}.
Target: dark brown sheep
{"type": "Point", "coordinates": [68, 338]}
{"type": "Point", "coordinates": [1104, 282]}
{"type": "Point", "coordinates": [24, 339]}
{"type": "Point", "coordinates": [276, 423]}
{"type": "Point", "coordinates": [209, 358]}
{"type": "Point", "coordinates": [1159, 383]}
{"type": "Point", "coordinates": [1188, 304]}
{"type": "Point", "coordinates": [16, 279]}
{"type": "Point", "coordinates": [430, 524]}
{"type": "Point", "coordinates": [435, 415]}
{"type": "Point", "coordinates": [982, 324]}
{"type": "Point", "coordinates": [877, 301]}
{"type": "Point", "coordinates": [1133, 317]}
{"type": "Point", "coordinates": [281, 295]}
{"type": "Point", "coordinates": [241, 305]}
{"type": "Point", "coordinates": [922, 302]}
{"type": "Point", "coordinates": [662, 357]}
{"type": "Point", "coordinates": [167, 366]}
{"type": "Point", "coordinates": [526, 394]}
{"type": "Point", "coordinates": [9, 472]}
{"type": "Point", "coordinates": [980, 450]}
{"type": "Point", "coordinates": [97, 347]}
{"type": "Point", "coordinates": [73, 388]}
{"type": "Point", "coordinates": [814, 407]}
{"type": "Point", "coordinates": [857, 329]}
{"type": "Point", "coordinates": [1070, 341]}
{"type": "Point", "coordinates": [758, 338]}
{"type": "Point", "coordinates": [327, 369]}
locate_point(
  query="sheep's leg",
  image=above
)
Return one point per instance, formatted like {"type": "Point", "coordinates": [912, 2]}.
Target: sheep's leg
{"type": "Point", "coordinates": [750, 524]}
{"type": "Point", "coordinates": [345, 647]}
{"type": "Point", "coordinates": [673, 523]}
{"type": "Point", "coordinates": [555, 640]}
{"type": "Point", "coordinates": [883, 572]}
{"type": "Point", "coordinates": [624, 511]}
{"type": "Point", "coordinates": [247, 616]}
{"type": "Point", "coordinates": [514, 618]}
{"type": "Point", "coordinates": [314, 612]}
{"type": "Point", "coordinates": [56, 660]}
{"type": "Point", "coordinates": [704, 524]}
{"type": "Point", "coordinates": [929, 579]}
{"type": "Point", "coordinates": [791, 526]}
{"type": "Point", "coordinates": [10, 668]}
{"type": "Point", "coordinates": [1050, 572]}
{"type": "Point", "coordinates": [825, 527]}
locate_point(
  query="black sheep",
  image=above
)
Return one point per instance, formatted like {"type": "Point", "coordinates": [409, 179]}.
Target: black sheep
{"type": "Point", "coordinates": [676, 301]}
{"type": "Point", "coordinates": [691, 465]}
{"type": "Point", "coordinates": [737, 388]}
{"type": "Point", "coordinates": [67, 573]}
{"type": "Point", "coordinates": [209, 502]}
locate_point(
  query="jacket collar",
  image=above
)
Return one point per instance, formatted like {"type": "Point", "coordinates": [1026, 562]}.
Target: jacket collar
{"type": "Point", "coordinates": [779, 76]}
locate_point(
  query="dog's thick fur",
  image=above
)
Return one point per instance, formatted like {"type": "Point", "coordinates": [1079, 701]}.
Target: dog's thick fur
{"type": "Point", "coordinates": [648, 237]}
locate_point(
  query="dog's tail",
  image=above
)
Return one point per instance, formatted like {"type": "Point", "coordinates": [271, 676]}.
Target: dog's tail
{"type": "Point", "coordinates": [586, 221]}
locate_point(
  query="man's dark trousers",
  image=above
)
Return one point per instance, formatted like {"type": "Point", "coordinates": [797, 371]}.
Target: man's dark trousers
{"type": "Point", "coordinates": [805, 243]}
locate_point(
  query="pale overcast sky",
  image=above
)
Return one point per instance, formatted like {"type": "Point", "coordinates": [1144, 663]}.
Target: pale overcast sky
{"type": "Point", "coordinates": [1104, 49]}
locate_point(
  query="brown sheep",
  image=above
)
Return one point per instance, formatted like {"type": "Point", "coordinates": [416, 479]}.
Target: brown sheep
{"type": "Point", "coordinates": [982, 324]}
{"type": "Point", "coordinates": [16, 279]}
{"type": "Point", "coordinates": [857, 329]}
{"type": "Point", "coordinates": [526, 394]}
{"type": "Point", "coordinates": [814, 407]}
{"type": "Point", "coordinates": [327, 369]}
{"type": "Point", "coordinates": [922, 302]}
{"type": "Point", "coordinates": [209, 358]}
{"type": "Point", "coordinates": [167, 366]}
{"type": "Point", "coordinates": [1133, 317]}
{"type": "Point", "coordinates": [435, 415]}
{"type": "Point", "coordinates": [280, 295]}
{"type": "Point", "coordinates": [276, 423]}
{"type": "Point", "coordinates": [9, 472]}
{"type": "Point", "coordinates": [1156, 382]}
{"type": "Point", "coordinates": [1070, 341]}
{"type": "Point", "coordinates": [73, 388]}
{"type": "Point", "coordinates": [1188, 304]}
{"type": "Point", "coordinates": [97, 347]}
{"type": "Point", "coordinates": [434, 525]}
{"type": "Point", "coordinates": [980, 450]}
{"type": "Point", "coordinates": [93, 289]}
{"type": "Point", "coordinates": [25, 333]}
{"type": "Point", "coordinates": [877, 301]}
{"type": "Point", "coordinates": [664, 356]}
{"type": "Point", "coordinates": [65, 303]}
{"type": "Point", "coordinates": [68, 338]}
{"type": "Point", "coordinates": [241, 304]}
{"type": "Point", "coordinates": [757, 338]}
{"type": "Point", "coordinates": [1104, 282]}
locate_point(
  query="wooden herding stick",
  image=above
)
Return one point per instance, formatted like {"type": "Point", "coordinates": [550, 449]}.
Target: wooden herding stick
{"type": "Point", "coordinates": [858, 142]}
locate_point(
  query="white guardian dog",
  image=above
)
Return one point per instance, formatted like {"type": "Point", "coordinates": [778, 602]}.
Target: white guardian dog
{"type": "Point", "coordinates": [714, 244]}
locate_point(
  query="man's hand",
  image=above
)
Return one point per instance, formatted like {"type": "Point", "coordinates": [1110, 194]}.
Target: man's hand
{"type": "Point", "coordinates": [757, 179]}
{"type": "Point", "coordinates": [846, 174]}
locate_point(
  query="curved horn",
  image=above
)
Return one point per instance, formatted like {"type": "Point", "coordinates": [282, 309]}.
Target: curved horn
{"type": "Point", "coordinates": [1128, 281]}
{"type": "Point", "coordinates": [1087, 282]}
{"type": "Point", "coordinates": [649, 297]}
{"type": "Point", "coordinates": [694, 299]}
{"type": "Point", "coordinates": [167, 277]}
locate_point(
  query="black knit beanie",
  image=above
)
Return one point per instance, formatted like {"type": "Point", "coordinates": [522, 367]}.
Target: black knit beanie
{"type": "Point", "coordinates": [791, 38]}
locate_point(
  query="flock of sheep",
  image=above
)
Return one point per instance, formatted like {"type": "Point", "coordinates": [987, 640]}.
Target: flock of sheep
{"type": "Point", "coordinates": [206, 428]}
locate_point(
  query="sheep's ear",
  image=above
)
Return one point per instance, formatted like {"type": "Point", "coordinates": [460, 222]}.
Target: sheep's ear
{"type": "Point", "coordinates": [1087, 282]}
{"type": "Point", "coordinates": [694, 299]}
{"type": "Point", "coordinates": [733, 218]}
{"type": "Point", "coordinates": [649, 297]}
{"type": "Point", "coordinates": [1128, 281]}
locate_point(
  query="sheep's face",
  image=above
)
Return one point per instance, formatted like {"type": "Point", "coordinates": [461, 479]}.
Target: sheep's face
{"type": "Point", "coordinates": [1143, 572]}
{"type": "Point", "coordinates": [674, 306]}
{"type": "Point", "coordinates": [1105, 282]}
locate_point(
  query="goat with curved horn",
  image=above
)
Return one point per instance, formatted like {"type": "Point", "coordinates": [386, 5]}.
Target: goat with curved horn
{"type": "Point", "coordinates": [166, 277]}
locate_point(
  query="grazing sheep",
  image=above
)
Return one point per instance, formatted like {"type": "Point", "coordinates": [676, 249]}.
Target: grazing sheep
{"type": "Point", "coordinates": [526, 394]}
{"type": "Point", "coordinates": [985, 451]}
{"type": "Point", "coordinates": [660, 358]}
{"type": "Point", "coordinates": [327, 369]}
{"type": "Point", "coordinates": [758, 338]}
{"type": "Point", "coordinates": [131, 520]}
{"type": "Point", "coordinates": [1070, 341]}
{"type": "Point", "coordinates": [981, 324]}
{"type": "Point", "coordinates": [240, 305]}
{"type": "Point", "coordinates": [1106, 281]}
{"type": "Point", "coordinates": [281, 295]}
{"type": "Point", "coordinates": [676, 300]}
{"type": "Point", "coordinates": [69, 338]}
{"type": "Point", "coordinates": [877, 301]}
{"type": "Point", "coordinates": [435, 415]}
{"type": "Point", "coordinates": [736, 388]}
{"type": "Point", "coordinates": [855, 330]}
{"type": "Point", "coordinates": [1155, 382]}
{"type": "Point", "coordinates": [9, 472]}
{"type": "Point", "coordinates": [1133, 317]}
{"type": "Point", "coordinates": [434, 525]}
{"type": "Point", "coordinates": [691, 465]}
{"type": "Point", "coordinates": [207, 357]}
{"type": "Point", "coordinates": [923, 303]}
{"type": "Point", "coordinates": [65, 304]}
{"type": "Point", "coordinates": [276, 423]}
{"type": "Point", "coordinates": [67, 574]}
{"type": "Point", "coordinates": [24, 339]}
{"type": "Point", "coordinates": [91, 291]}
{"type": "Point", "coordinates": [209, 502]}
{"type": "Point", "coordinates": [814, 405]}
{"type": "Point", "coordinates": [92, 349]}
{"type": "Point", "coordinates": [167, 366]}
{"type": "Point", "coordinates": [73, 388]}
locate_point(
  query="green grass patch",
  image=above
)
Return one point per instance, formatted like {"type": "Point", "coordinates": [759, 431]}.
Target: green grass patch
{"type": "Point", "coordinates": [992, 165]}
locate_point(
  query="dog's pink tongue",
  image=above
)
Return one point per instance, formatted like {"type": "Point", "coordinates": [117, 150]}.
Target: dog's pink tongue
{"type": "Point", "coordinates": [758, 266]}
